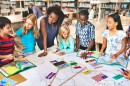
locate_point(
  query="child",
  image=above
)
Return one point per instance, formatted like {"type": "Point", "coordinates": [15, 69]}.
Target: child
{"type": "Point", "coordinates": [28, 34]}
{"type": "Point", "coordinates": [85, 34]}
{"type": "Point", "coordinates": [114, 40]}
{"type": "Point", "coordinates": [6, 41]}
{"type": "Point", "coordinates": [66, 42]}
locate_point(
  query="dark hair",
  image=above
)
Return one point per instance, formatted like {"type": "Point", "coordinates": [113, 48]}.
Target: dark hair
{"type": "Point", "coordinates": [56, 10]}
{"type": "Point", "coordinates": [117, 19]}
{"type": "Point", "coordinates": [93, 6]}
{"type": "Point", "coordinates": [84, 13]}
{"type": "Point", "coordinates": [4, 21]}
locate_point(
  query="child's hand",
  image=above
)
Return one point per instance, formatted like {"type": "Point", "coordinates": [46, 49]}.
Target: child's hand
{"type": "Point", "coordinates": [101, 53]}
{"type": "Point", "coordinates": [76, 49]}
{"type": "Point", "coordinates": [126, 74]}
{"type": "Point", "coordinates": [61, 53]}
{"type": "Point", "coordinates": [113, 56]}
{"type": "Point", "coordinates": [10, 57]}
{"type": "Point", "coordinates": [84, 55]}
{"type": "Point", "coordinates": [55, 50]}
{"type": "Point", "coordinates": [42, 54]}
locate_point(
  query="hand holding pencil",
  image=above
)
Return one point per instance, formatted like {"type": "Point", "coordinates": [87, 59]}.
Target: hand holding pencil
{"type": "Point", "coordinates": [126, 74]}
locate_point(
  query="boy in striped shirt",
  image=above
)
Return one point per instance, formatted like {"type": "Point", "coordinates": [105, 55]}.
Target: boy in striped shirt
{"type": "Point", "coordinates": [6, 41]}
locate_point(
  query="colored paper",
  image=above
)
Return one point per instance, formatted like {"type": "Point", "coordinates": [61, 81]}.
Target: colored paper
{"type": "Point", "coordinates": [59, 64]}
{"type": "Point", "coordinates": [87, 72]}
{"type": "Point", "coordinates": [117, 76]}
{"type": "Point", "coordinates": [7, 82]}
{"type": "Point", "coordinates": [99, 77]}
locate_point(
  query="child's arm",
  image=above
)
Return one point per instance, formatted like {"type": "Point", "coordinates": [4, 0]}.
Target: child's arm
{"type": "Point", "coordinates": [77, 43]}
{"type": "Point", "coordinates": [121, 50]}
{"type": "Point", "coordinates": [103, 46]}
{"type": "Point", "coordinates": [92, 42]}
{"type": "Point", "coordinates": [60, 45]}
{"type": "Point", "coordinates": [44, 34]}
{"type": "Point", "coordinates": [10, 56]}
{"type": "Point", "coordinates": [91, 37]}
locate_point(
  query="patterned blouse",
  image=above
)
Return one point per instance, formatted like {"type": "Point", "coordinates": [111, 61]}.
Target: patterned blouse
{"type": "Point", "coordinates": [114, 43]}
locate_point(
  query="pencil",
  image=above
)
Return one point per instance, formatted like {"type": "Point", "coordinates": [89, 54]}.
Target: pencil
{"type": "Point", "coordinates": [71, 77]}
{"type": "Point", "coordinates": [54, 77]}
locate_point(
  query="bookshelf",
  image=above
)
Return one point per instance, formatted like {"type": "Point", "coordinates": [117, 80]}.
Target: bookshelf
{"type": "Point", "coordinates": [69, 5]}
{"type": "Point", "coordinates": [84, 4]}
{"type": "Point", "coordinates": [55, 3]}
{"type": "Point", "coordinates": [42, 3]}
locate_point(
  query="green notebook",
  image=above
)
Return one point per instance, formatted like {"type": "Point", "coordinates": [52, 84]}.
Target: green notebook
{"type": "Point", "coordinates": [15, 67]}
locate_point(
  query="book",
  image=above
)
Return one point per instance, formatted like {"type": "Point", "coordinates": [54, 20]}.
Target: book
{"type": "Point", "coordinates": [108, 61]}
{"type": "Point", "coordinates": [15, 67]}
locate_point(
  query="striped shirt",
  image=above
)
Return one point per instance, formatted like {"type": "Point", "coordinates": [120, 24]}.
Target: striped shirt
{"type": "Point", "coordinates": [6, 45]}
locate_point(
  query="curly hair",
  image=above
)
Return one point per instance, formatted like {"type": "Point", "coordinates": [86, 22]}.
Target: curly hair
{"type": "Point", "coordinates": [84, 13]}
{"type": "Point", "coordinates": [56, 10]}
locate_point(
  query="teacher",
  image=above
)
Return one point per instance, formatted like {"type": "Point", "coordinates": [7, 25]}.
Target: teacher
{"type": "Point", "coordinates": [49, 26]}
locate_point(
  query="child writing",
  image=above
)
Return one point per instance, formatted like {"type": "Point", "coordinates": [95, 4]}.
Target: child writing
{"type": "Point", "coordinates": [114, 40]}
{"type": "Point", "coordinates": [6, 41]}
{"type": "Point", "coordinates": [66, 42]}
{"type": "Point", "coordinates": [28, 34]}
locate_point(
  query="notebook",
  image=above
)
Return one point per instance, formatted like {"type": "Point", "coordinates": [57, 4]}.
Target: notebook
{"type": "Point", "coordinates": [15, 67]}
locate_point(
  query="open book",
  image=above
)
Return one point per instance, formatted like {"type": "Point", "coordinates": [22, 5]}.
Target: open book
{"type": "Point", "coordinates": [107, 60]}
{"type": "Point", "coordinates": [15, 67]}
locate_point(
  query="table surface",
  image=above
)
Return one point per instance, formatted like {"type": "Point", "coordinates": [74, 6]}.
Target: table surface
{"type": "Point", "coordinates": [37, 76]}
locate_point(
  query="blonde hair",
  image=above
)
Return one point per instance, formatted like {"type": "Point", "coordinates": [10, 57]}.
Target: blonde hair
{"type": "Point", "coordinates": [33, 18]}
{"type": "Point", "coordinates": [62, 30]}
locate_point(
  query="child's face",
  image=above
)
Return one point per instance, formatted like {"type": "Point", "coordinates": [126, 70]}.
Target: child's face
{"type": "Point", "coordinates": [7, 29]}
{"type": "Point", "coordinates": [83, 19]}
{"type": "Point", "coordinates": [65, 35]}
{"type": "Point", "coordinates": [28, 24]}
{"type": "Point", "coordinates": [94, 7]}
{"type": "Point", "coordinates": [111, 24]}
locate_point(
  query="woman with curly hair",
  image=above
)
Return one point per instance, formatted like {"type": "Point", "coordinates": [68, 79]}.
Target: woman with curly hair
{"type": "Point", "coordinates": [49, 26]}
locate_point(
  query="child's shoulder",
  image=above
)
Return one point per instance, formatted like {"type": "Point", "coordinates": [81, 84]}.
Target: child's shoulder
{"type": "Point", "coordinates": [121, 32]}
{"type": "Point", "coordinates": [106, 31]}
{"type": "Point", "coordinates": [9, 36]}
